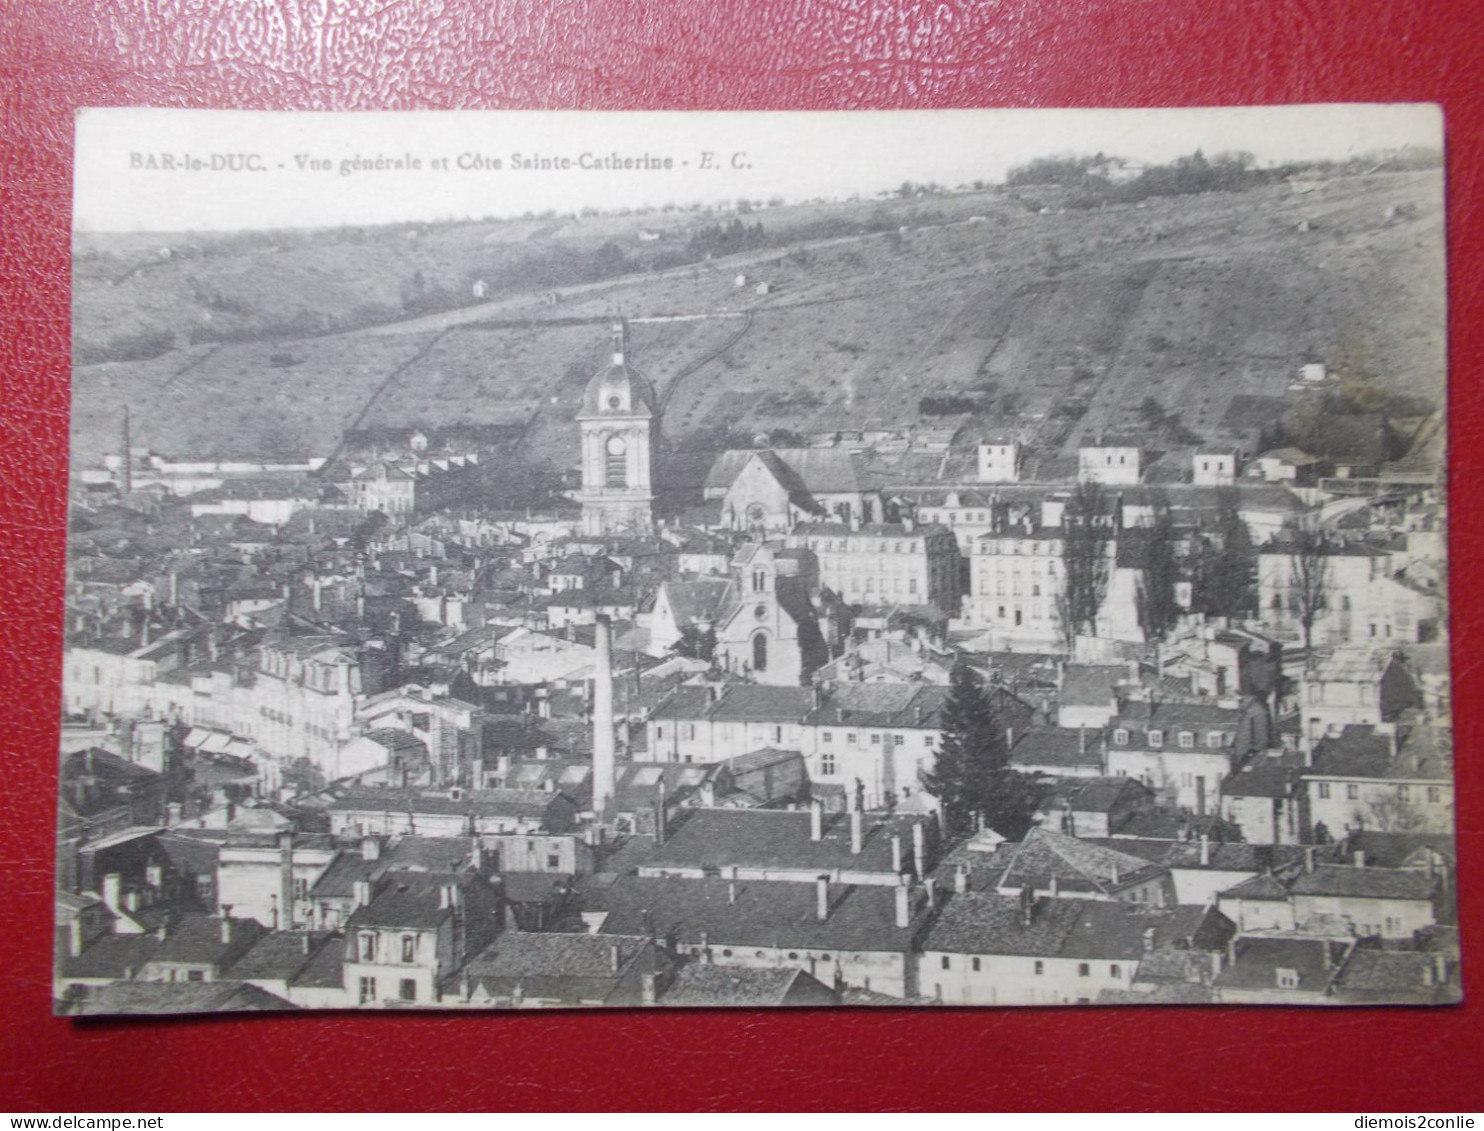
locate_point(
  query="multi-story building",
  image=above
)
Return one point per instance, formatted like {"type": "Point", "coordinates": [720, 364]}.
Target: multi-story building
{"type": "Point", "coordinates": [884, 563]}
{"type": "Point", "coordinates": [1389, 777]}
{"type": "Point", "coordinates": [1184, 751]}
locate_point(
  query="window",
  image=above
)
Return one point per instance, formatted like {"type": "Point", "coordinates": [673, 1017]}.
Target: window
{"type": "Point", "coordinates": [1115, 971]}
{"type": "Point", "coordinates": [828, 736]}
{"type": "Point", "coordinates": [1156, 738]}
{"type": "Point", "coordinates": [976, 964]}
{"type": "Point", "coordinates": [760, 653]}
{"type": "Point", "coordinates": [659, 732]}
{"type": "Point", "coordinates": [1324, 791]}
{"type": "Point", "coordinates": [1287, 979]}
{"type": "Point", "coordinates": [407, 989]}
{"type": "Point", "coordinates": [1187, 739]}
{"type": "Point", "coordinates": [368, 947]}
{"type": "Point", "coordinates": [898, 739]}
{"type": "Point", "coordinates": [875, 740]}
{"type": "Point", "coordinates": [1040, 967]}
{"type": "Point", "coordinates": [367, 990]}
{"type": "Point", "coordinates": [1352, 792]}
{"type": "Point", "coordinates": [1435, 793]}
{"type": "Point", "coordinates": [927, 741]}
{"type": "Point", "coordinates": [1403, 793]}
{"type": "Point", "coordinates": [850, 739]}
{"type": "Point", "coordinates": [1120, 737]}
{"type": "Point", "coordinates": [409, 948]}
{"type": "Point", "coordinates": [1214, 739]}
{"type": "Point", "coordinates": [827, 763]}
{"type": "Point", "coordinates": [195, 975]}
{"type": "Point", "coordinates": [947, 963]}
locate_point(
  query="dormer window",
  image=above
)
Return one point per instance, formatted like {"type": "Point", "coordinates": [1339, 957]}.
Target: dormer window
{"type": "Point", "coordinates": [1214, 739]}
{"type": "Point", "coordinates": [1288, 978]}
{"type": "Point", "coordinates": [1156, 738]}
{"type": "Point", "coordinates": [1187, 739]}
{"type": "Point", "coordinates": [1120, 737]}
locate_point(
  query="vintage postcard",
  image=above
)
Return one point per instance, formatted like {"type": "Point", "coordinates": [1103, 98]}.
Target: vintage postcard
{"type": "Point", "coordinates": [929, 558]}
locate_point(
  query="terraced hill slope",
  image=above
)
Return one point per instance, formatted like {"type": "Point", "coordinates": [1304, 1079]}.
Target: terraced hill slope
{"type": "Point", "coordinates": [1058, 323]}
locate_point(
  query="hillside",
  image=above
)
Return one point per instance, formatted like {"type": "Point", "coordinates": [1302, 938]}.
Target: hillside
{"type": "Point", "coordinates": [1056, 322]}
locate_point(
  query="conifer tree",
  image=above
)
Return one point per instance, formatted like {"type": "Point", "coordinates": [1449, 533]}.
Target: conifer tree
{"type": "Point", "coordinates": [971, 775]}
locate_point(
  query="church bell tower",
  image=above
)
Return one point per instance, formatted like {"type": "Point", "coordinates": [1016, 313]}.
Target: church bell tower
{"type": "Point", "coordinates": [620, 423]}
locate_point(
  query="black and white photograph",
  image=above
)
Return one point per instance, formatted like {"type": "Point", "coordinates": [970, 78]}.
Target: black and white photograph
{"type": "Point", "coordinates": [551, 560]}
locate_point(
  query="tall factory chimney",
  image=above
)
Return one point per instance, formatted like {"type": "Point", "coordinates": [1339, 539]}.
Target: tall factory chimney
{"type": "Point", "coordinates": [128, 468]}
{"type": "Point", "coordinates": [604, 771]}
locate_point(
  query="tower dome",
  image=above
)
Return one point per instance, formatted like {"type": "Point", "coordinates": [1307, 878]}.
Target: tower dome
{"type": "Point", "coordinates": [619, 389]}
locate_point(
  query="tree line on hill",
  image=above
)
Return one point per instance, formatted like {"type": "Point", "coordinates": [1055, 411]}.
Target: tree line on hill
{"type": "Point", "coordinates": [1088, 185]}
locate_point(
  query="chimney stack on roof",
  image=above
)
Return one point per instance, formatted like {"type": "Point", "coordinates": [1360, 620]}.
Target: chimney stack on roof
{"type": "Point", "coordinates": [857, 832]}
{"type": "Point", "coordinates": [822, 898]}
{"type": "Point", "coordinates": [961, 879]}
{"type": "Point", "coordinates": [1308, 857]}
{"type": "Point", "coordinates": [896, 853]}
{"type": "Point", "coordinates": [226, 923]}
{"type": "Point", "coordinates": [904, 901]}
{"type": "Point", "coordinates": [919, 848]}
{"type": "Point", "coordinates": [1205, 851]}
{"type": "Point", "coordinates": [816, 820]}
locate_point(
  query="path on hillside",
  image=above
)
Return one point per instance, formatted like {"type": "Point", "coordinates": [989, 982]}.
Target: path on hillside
{"type": "Point", "coordinates": [704, 359]}
{"type": "Point", "coordinates": [396, 371]}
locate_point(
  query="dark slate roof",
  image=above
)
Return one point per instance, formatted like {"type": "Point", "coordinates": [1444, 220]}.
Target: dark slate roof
{"type": "Point", "coordinates": [1378, 976]}
{"type": "Point", "coordinates": [326, 966]}
{"type": "Point", "coordinates": [338, 880]}
{"type": "Point", "coordinates": [1259, 959]}
{"type": "Point", "coordinates": [413, 906]}
{"type": "Point", "coordinates": [694, 600]}
{"type": "Point", "coordinates": [1264, 776]}
{"type": "Point", "coordinates": [1222, 856]}
{"type": "Point", "coordinates": [197, 940]}
{"type": "Point", "coordinates": [1365, 883]}
{"type": "Point", "coordinates": [698, 984]}
{"type": "Point", "coordinates": [1090, 685]}
{"type": "Point", "coordinates": [109, 956]}
{"type": "Point", "coordinates": [172, 997]}
{"type": "Point", "coordinates": [984, 923]}
{"type": "Point", "coordinates": [1077, 865]}
{"type": "Point", "coordinates": [882, 705]}
{"type": "Point", "coordinates": [1426, 753]}
{"type": "Point", "coordinates": [766, 914]}
{"type": "Point", "coordinates": [829, 471]}
{"type": "Point", "coordinates": [1398, 850]}
{"type": "Point", "coordinates": [776, 838]}
{"type": "Point", "coordinates": [517, 954]}
{"type": "Point", "coordinates": [1138, 718]}
{"type": "Point", "coordinates": [1063, 748]}
{"type": "Point", "coordinates": [502, 802]}
{"type": "Point", "coordinates": [1097, 795]}
{"type": "Point", "coordinates": [399, 742]}
{"type": "Point", "coordinates": [1264, 887]}
{"type": "Point", "coordinates": [760, 703]}
{"type": "Point", "coordinates": [280, 955]}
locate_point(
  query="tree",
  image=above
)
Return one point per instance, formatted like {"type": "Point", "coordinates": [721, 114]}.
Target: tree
{"type": "Point", "coordinates": [1158, 610]}
{"type": "Point", "coordinates": [1086, 534]}
{"type": "Point", "coordinates": [1308, 564]}
{"type": "Point", "coordinates": [971, 775]}
{"type": "Point", "coordinates": [1226, 570]}
{"type": "Point", "coordinates": [695, 644]}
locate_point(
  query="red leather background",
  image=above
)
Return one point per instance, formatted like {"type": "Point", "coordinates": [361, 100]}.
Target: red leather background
{"type": "Point", "coordinates": [613, 54]}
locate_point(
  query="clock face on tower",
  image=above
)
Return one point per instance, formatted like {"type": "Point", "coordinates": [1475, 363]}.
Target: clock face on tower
{"type": "Point", "coordinates": [616, 446]}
